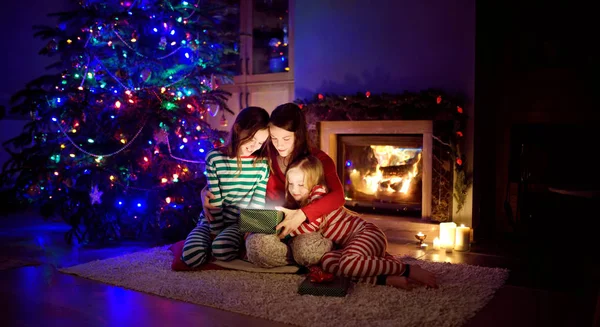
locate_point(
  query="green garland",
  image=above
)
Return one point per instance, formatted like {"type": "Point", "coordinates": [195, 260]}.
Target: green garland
{"type": "Point", "coordinates": [445, 111]}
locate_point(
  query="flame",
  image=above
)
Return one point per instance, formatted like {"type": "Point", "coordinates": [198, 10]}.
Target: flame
{"type": "Point", "coordinates": [375, 181]}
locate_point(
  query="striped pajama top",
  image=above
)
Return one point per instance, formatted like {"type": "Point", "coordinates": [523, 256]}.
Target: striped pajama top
{"type": "Point", "coordinates": [234, 188]}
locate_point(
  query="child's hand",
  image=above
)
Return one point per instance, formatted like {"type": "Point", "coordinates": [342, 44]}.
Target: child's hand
{"type": "Point", "coordinates": [293, 219]}
{"type": "Point", "coordinates": [206, 195]}
{"type": "Point", "coordinates": [422, 276]}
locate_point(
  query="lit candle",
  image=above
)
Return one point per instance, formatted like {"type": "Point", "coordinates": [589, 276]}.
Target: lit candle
{"type": "Point", "coordinates": [463, 237]}
{"type": "Point", "coordinates": [436, 243]}
{"type": "Point", "coordinates": [447, 234]}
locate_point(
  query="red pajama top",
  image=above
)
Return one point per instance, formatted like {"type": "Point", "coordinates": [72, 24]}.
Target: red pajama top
{"type": "Point", "coordinates": [328, 203]}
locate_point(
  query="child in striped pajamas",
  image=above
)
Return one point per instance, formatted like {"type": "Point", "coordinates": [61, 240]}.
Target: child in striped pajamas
{"type": "Point", "coordinates": [362, 245]}
{"type": "Point", "coordinates": [237, 178]}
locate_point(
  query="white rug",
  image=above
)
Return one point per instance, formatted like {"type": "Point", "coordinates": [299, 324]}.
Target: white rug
{"type": "Point", "coordinates": [463, 291]}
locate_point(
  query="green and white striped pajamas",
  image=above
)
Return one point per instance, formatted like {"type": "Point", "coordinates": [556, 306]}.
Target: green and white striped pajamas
{"type": "Point", "coordinates": [233, 189]}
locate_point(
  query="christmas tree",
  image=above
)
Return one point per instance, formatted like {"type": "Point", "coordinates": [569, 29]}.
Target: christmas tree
{"type": "Point", "coordinates": [118, 134]}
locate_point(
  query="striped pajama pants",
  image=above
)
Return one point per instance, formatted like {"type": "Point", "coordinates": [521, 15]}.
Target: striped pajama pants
{"type": "Point", "coordinates": [362, 254]}
{"type": "Point", "coordinates": [199, 244]}
{"type": "Point", "coordinates": [362, 257]}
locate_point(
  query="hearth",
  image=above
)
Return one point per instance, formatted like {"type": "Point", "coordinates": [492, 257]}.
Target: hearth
{"type": "Point", "coordinates": [385, 166]}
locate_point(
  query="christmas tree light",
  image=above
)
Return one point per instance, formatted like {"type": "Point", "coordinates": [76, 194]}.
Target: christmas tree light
{"type": "Point", "coordinates": [111, 133]}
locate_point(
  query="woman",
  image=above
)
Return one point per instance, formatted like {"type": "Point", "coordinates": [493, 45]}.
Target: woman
{"type": "Point", "coordinates": [237, 179]}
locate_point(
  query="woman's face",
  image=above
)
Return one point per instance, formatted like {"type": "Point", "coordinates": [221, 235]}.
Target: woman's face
{"type": "Point", "coordinates": [259, 138]}
{"type": "Point", "coordinates": [296, 187]}
{"type": "Point", "coordinates": [282, 140]}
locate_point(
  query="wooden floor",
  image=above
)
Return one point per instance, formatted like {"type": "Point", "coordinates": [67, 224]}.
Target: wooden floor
{"type": "Point", "coordinates": [536, 294]}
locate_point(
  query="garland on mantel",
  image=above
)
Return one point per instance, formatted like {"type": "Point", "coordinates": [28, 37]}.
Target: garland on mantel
{"type": "Point", "coordinates": [445, 111]}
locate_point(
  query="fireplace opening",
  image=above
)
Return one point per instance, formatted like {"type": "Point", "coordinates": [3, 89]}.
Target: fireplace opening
{"type": "Point", "coordinates": [382, 173]}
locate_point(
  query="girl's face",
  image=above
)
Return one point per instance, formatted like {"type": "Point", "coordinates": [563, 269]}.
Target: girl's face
{"type": "Point", "coordinates": [259, 138]}
{"type": "Point", "coordinates": [296, 187]}
{"type": "Point", "coordinates": [282, 140]}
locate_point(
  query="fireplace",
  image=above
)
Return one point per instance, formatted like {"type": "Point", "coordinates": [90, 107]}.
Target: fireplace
{"type": "Point", "coordinates": [385, 166]}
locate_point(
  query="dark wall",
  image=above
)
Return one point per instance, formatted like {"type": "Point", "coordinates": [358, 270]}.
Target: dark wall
{"type": "Point", "coordinates": [535, 86]}
{"type": "Point", "coordinates": [348, 46]}
{"type": "Point", "coordinates": [19, 61]}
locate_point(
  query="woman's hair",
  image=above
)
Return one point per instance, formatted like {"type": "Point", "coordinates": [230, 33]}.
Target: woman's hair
{"type": "Point", "coordinates": [249, 121]}
{"type": "Point", "coordinates": [313, 175]}
{"type": "Point", "coordinates": [291, 118]}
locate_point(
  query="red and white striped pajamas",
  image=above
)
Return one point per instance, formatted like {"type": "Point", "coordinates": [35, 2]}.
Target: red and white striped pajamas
{"type": "Point", "coordinates": [362, 254]}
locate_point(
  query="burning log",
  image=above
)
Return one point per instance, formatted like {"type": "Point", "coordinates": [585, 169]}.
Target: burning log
{"type": "Point", "coordinates": [396, 170]}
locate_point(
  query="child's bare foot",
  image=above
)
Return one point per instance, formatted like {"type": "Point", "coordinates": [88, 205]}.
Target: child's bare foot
{"type": "Point", "coordinates": [399, 282]}
{"type": "Point", "coordinates": [422, 276]}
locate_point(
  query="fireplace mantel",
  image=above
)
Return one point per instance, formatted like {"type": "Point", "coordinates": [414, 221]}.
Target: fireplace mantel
{"type": "Point", "coordinates": [328, 131]}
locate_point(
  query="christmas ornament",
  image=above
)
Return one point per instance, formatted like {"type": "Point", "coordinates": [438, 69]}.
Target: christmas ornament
{"type": "Point", "coordinates": [459, 109]}
{"type": "Point", "coordinates": [96, 195]}
{"type": "Point", "coordinates": [121, 73]}
{"type": "Point", "coordinates": [320, 96]}
{"type": "Point", "coordinates": [146, 74]}
{"type": "Point", "coordinates": [161, 137]}
{"type": "Point", "coordinates": [459, 161]}
{"type": "Point", "coordinates": [438, 100]}
{"type": "Point", "coordinates": [223, 122]}
{"type": "Point", "coordinates": [368, 94]}
{"type": "Point", "coordinates": [163, 43]}
{"type": "Point", "coordinates": [459, 134]}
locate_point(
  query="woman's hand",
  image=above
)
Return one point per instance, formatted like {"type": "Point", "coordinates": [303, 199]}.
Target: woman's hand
{"type": "Point", "coordinates": [293, 219]}
{"type": "Point", "coordinates": [206, 196]}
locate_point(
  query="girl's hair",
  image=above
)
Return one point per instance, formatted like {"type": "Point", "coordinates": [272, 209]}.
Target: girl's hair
{"type": "Point", "coordinates": [313, 175]}
{"type": "Point", "coordinates": [249, 121]}
{"type": "Point", "coordinates": [291, 118]}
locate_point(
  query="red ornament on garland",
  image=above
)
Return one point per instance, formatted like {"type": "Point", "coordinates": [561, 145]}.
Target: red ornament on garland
{"type": "Point", "coordinates": [459, 134]}
{"type": "Point", "coordinates": [459, 161]}
{"type": "Point", "coordinates": [368, 94]}
{"type": "Point", "coordinates": [300, 105]}
{"type": "Point", "coordinates": [320, 96]}
{"type": "Point", "coordinates": [459, 109]}
{"type": "Point", "coordinates": [438, 100]}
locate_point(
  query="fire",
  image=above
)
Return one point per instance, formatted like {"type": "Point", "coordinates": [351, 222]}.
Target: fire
{"type": "Point", "coordinates": [394, 172]}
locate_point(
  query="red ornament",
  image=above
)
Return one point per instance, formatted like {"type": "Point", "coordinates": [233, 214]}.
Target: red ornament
{"type": "Point", "coordinates": [459, 109]}
{"type": "Point", "coordinates": [300, 105]}
{"type": "Point", "coordinates": [439, 99]}
{"type": "Point", "coordinates": [459, 161]}
{"type": "Point", "coordinates": [320, 96]}
{"type": "Point", "coordinates": [368, 94]}
{"type": "Point", "coordinates": [459, 134]}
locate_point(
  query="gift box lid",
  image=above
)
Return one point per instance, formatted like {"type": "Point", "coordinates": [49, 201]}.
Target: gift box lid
{"type": "Point", "coordinates": [260, 220]}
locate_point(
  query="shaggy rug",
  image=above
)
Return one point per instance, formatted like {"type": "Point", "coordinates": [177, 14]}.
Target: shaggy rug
{"type": "Point", "coordinates": [463, 290]}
